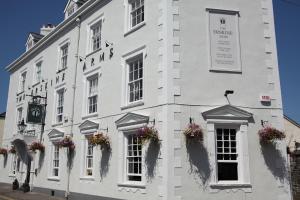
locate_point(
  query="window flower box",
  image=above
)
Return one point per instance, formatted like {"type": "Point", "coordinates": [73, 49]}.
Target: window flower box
{"type": "Point", "coordinates": [100, 139]}
{"type": "Point", "coordinates": [193, 133]}
{"type": "Point", "coordinates": [37, 146]}
{"type": "Point", "coordinates": [270, 135]}
{"type": "Point", "coordinates": [3, 151]}
{"type": "Point", "coordinates": [67, 142]}
{"type": "Point", "coordinates": [146, 134]}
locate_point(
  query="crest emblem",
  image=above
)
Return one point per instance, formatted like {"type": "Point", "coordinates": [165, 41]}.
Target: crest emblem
{"type": "Point", "coordinates": [223, 21]}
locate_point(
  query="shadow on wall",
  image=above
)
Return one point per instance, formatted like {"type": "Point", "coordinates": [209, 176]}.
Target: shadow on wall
{"type": "Point", "coordinates": [104, 162]}
{"type": "Point", "coordinates": [41, 160]}
{"type": "Point", "coordinates": [71, 155]}
{"type": "Point", "coordinates": [151, 159]}
{"type": "Point", "coordinates": [199, 161]}
{"type": "Point", "coordinates": [275, 161]}
{"type": "Point", "coordinates": [4, 160]}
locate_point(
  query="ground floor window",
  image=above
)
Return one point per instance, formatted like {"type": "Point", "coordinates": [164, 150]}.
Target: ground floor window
{"type": "Point", "coordinates": [134, 158]}
{"type": "Point", "coordinates": [55, 161]}
{"type": "Point", "coordinates": [227, 156]}
{"type": "Point", "coordinates": [89, 158]}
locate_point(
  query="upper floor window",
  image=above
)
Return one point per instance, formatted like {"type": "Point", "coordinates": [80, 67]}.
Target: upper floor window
{"type": "Point", "coordinates": [64, 56]}
{"type": "Point", "coordinates": [96, 35]}
{"type": "Point", "coordinates": [135, 78]}
{"type": "Point", "coordinates": [60, 106]}
{"type": "Point", "coordinates": [38, 72]}
{"type": "Point", "coordinates": [19, 115]}
{"type": "Point", "coordinates": [136, 12]}
{"type": "Point", "coordinates": [22, 82]}
{"type": "Point", "coordinates": [92, 94]}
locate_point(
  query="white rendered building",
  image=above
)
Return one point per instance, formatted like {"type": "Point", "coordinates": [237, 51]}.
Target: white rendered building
{"type": "Point", "coordinates": [116, 66]}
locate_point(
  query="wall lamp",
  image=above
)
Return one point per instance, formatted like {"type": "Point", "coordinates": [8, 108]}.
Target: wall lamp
{"type": "Point", "coordinates": [227, 92]}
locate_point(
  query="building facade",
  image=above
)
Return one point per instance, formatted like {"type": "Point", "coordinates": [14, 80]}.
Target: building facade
{"type": "Point", "coordinates": [2, 121]}
{"type": "Point", "coordinates": [118, 66]}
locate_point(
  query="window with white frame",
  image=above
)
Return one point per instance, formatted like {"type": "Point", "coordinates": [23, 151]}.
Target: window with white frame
{"type": "Point", "coordinates": [89, 158]}
{"type": "Point", "coordinates": [135, 78]}
{"type": "Point", "coordinates": [55, 160]}
{"type": "Point", "coordinates": [64, 56]}
{"type": "Point", "coordinates": [60, 106]}
{"type": "Point", "coordinates": [71, 10]}
{"type": "Point", "coordinates": [13, 166]}
{"type": "Point", "coordinates": [136, 8]}
{"type": "Point", "coordinates": [38, 72]}
{"type": "Point", "coordinates": [19, 115]}
{"type": "Point", "coordinates": [22, 82]}
{"type": "Point", "coordinates": [134, 158]}
{"type": "Point", "coordinates": [96, 36]}
{"type": "Point", "coordinates": [227, 154]}
{"type": "Point", "coordinates": [92, 99]}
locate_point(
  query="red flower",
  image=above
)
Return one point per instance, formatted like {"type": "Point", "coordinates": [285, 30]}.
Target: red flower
{"type": "Point", "coordinates": [270, 134]}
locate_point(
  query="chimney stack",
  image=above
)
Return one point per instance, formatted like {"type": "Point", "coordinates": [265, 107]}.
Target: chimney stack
{"type": "Point", "coordinates": [46, 29]}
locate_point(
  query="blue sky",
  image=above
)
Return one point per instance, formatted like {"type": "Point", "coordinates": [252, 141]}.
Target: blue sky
{"type": "Point", "coordinates": [19, 17]}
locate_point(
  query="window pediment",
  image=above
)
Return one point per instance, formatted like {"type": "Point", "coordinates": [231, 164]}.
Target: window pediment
{"type": "Point", "coordinates": [56, 134]}
{"type": "Point", "coordinates": [227, 112]}
{"type": "Point", "coordinates": [131, 119]}
{"type": "Point", "coordinates": [88, 126]}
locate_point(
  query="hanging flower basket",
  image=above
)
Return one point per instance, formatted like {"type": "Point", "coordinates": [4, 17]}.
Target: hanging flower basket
{"type": "Point", "coordinates": [146, 134]}
{"type": "Point", "coordinates": [3, 151]}
{"type": "Point", "coordinates": [67, 142]}
{"type": "Point", "coordinates": [12, 150]}
{"type": "Point", "coordinates": [37, 146]}
{"type": "Point", "coordinates": [100, 139]}
{"type": "Point", "coordinates": [193, 133]}
{"type": "Point", "coordinates": [270, 135]}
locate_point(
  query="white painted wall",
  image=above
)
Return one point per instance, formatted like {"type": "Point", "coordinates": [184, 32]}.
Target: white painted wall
{"type": "Point", "coordinates": [178, 85]}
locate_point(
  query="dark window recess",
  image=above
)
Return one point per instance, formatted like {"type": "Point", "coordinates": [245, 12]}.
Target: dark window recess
{"type": "Point", "coordinates": [134, 178]}
{"type": "Point", "coordinates": [227, 171]}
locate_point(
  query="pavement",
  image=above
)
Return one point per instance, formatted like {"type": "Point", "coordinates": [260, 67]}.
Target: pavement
{"type": "Point", "coordinates": [6, 193]}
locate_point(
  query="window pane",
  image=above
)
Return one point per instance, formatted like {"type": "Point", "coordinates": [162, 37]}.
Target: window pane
{"type": "Point", "coordinates": [227, 172]}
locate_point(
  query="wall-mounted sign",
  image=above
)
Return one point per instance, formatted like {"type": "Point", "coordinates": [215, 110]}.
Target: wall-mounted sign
{"type": "Point", "coordinates": [224, 40]}
{"type": "Point", "coordinates": [35, 113]}
{"type": "Point", "coordinates": [265, 98]}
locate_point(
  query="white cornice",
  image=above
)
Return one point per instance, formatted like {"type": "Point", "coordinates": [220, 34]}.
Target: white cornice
{"type": "Point", "coordinates": [81, 11]}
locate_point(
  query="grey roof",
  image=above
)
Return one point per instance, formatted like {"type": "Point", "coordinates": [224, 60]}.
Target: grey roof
{"type": "Point", "coordinates": [2, 115]}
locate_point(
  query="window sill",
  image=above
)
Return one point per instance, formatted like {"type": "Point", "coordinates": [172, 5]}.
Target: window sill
{"type": "Point", "coordinates": [53, 179]}
{"type": "Point", "coordinates": [19, 93]}
{"type": "Point", "coordinates": [93, 52]}
{"type": "Point", "coordinates": [36, 84]}
{"type": "Point", "coordinates": [87, 178]}
{"type": "Point", "coordinates": [90, 116]}
{"type": "Point", "coordinates": [57, 124]}
{"type": "Point", "coordinates": [230, 185]}
{"type": "Point", "coordinates": [61, 70]}
{"type": "Point", "coordinates": [133, 29]}
{"type": "Point", "coordinates": [131, 105]}
{"type": "Point", "coordinates": [11, 175]}
{"type": "Point", "coordinates": [132, 185]}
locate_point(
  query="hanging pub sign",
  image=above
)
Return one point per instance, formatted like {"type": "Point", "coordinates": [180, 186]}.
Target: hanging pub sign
{"type": "Point", "coordinates": [35, 113]}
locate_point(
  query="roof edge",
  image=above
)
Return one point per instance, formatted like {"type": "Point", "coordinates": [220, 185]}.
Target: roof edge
{"type": "Point", "coordinates": [60, 27]}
